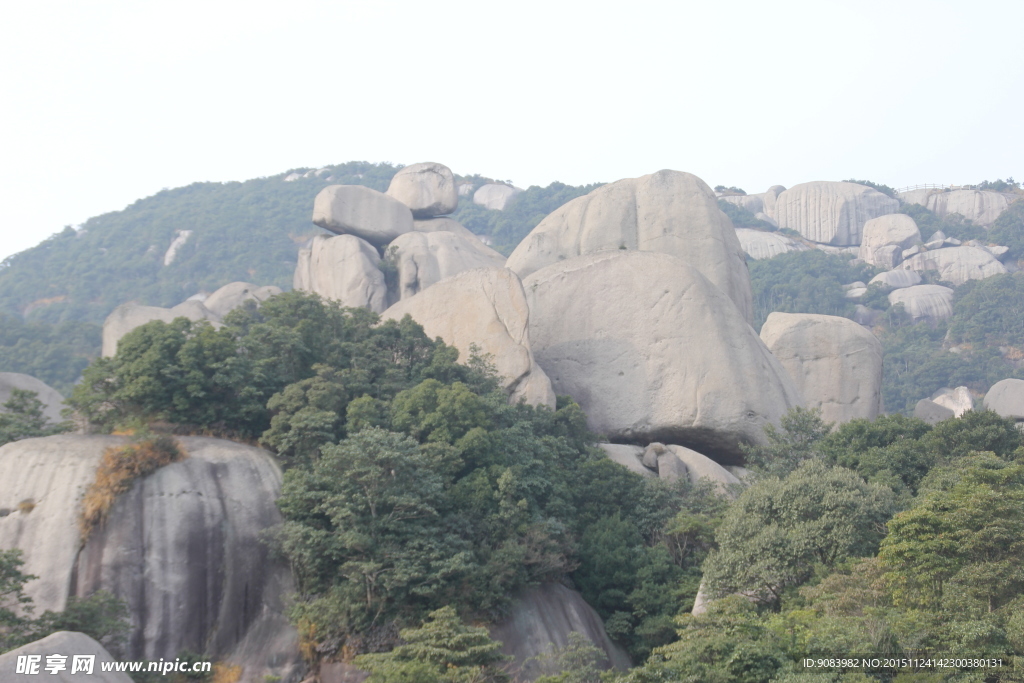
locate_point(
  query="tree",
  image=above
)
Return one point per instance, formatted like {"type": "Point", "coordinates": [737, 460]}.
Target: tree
{"type": "Point", "coordinates": [22, 417]}
{"type": "Point", "coordinates": [578, 662]}
{"type": "Point", "coordinates": [797, 441]}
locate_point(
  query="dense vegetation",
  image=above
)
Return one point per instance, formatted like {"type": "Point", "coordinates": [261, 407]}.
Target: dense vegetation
{"type": "Point", "coordinates": [56, 354]}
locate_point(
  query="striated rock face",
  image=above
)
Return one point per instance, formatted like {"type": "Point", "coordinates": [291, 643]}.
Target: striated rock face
{"type": "Point", "coordinates": [769, 199]}
{"type": "Point", "coordinates": [897, 278]}
{"type": "Point", "coordinates": [1006, 397]}
{"type": "Point", "coordinates": [924, 302]}
{"type": "Point", "coordinates": [917, 196]}
{"type": "Point", "coordinates": [831, 213]}
{"type": "Point", "coordinates": [342, 268]}
{"type": "Point", "coordinates": [751, 202]}
{"type": "Point", "coordinates": [182, 547]}
{"type": "Point", "coordinates": [666, 212]}
{"type": "Point", "coordinates": [428, 189]}
{"type": "Point", "coordinates": [495, 195]}
{"type": "Point", "coordinates": [652, 351]}
{"type": "Point", "coordinates": [931, 412]}
{"type": "Point", "coordinates": [541, 620]}
{"type": "Point", "coordinates": [980, 206]}
{"type": "Point", "coordinates": [67, 643]}
{"type": "Point", "coordinates": [231, 296]}
{"type": "Point", "coordinates": [835, 363]}
{"type": "Point", "coordinates": [485, 307]}
{"type": "Point", "coordinates": [896, 231]}
{"type": "Point", "coordinates": [760, 245]}
{"type": "Point", "coordinates": [362, 212]}
{"type": "Point", "coordinates": [51, 399]}
{"type": "Point", "coordinates": [957, 264]}
{"type": "Point", "coordinates": [423, 258]}
{"type": "Point", "coordinates": [127, 317]}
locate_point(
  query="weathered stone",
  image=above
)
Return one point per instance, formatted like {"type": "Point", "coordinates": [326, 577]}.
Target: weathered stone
{"type": "Point", "coordinates": [652, 351]}
{"type": "Point", "coordinates": [831, 213]}
{"type": "Point", "coordinates": [443, 224]}
{"type": "Point", "coordinates": [749, 202]}
{"type": "Point", "coordinates": [651, 454]}
{"type": "Point", "coordinates": [924, 302]}
{"type": "Point", "coordinates": [856, 292]}
{"type": "Point", "coordinates": [980, 206]}
{"type": "Point", "coordinates": [931, 412]}
{"type": "Point", "coordinates": [913, 251]}
{"type": "Point", "coordinates": [835, 363]}
{"type": "Point", "coordinates": [627, 456]}
{"type": "Point", "coordinates": [958, 400]}
{"type": "Point", "coordinates": [362, 212]}
{"type": "Point", "coordinates": [956, 264]}
{"type": "Point", "coordinates": [666, 212]}
{"type": "Point", "coordinates": [127, 317]}
{"type": "Point", "coordinates": [700, 467]}
{"type": "Point", "coordinates": [769, 199]}
{"type": "Point", "coordinates": [893, 233]}
{"type": "Point", "coordinates": [917, 196]}
{"type": "Point", "coordinates": [671, 468]}
{"type": "Point", "coordinates": [68, 644]}
{"type": "Point", "coordinates": [767, 219]}
{"type": "Point", "coordinates": [232, 295]}
{"type": "Point", "coordinates": [540, 620]}
{"type": "Point", "coordinates": [495, 196]}
{"type": "Point", "coordinates": [423, 258]}
{"type": "Point", "coordinates": [484, 307]}
{"type": "Point", "coordinates": [761, 245]}
{"type": "Point", "coordinates": [1006, 397]}
{"type": "Point", "coordinates": [866, 316]}
{"type": "Point", "coordinates": [428, 189]}
{"type": "Point", "coordinates": [342, 268]}
{"type": "Point", "coordinates": [897, 278]}
{"type": "Point", "coordinates": [51, 399]}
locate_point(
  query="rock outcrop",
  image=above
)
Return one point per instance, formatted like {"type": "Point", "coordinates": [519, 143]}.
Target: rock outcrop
{"type": "Point", "coordinates": [958, 400]}
{"type": "Point", "coordinates": [956, 264]}
{"type": "Point", "coordinates": [924, 302]}
{"type": "Point", "coordinates": [495, 196]}
{"type": "Point", "coordinates": [897, 231]}
{"type": "Point", "coordinates": [232, 295]}
{"type": "Point", "coordinates": [769, 199]}
{"type": "Point", "coordinates": [424, 258]}
{"type": "Point", "coordinates": [443, 224]}
{"type": "Point", "coordinates": [342, 268]}
{"type": "Point", "coordinates": [362, 212]}
{"type": "Point", "coordinates": [831, 213]}
{"type": "Point", "coordinates": [428, 189]}
{"type": "Point", "coordinates": [931, 412]}
{"type": "Point", "coordinates": [182, 547]}
{"type": "Point", "coordinates": [630, 457]}
{"type": "Point", "coordinates": [667, 212]}
{"type": "Point", "coordinates": [1006, 397]}
{"type": "Point", "coordinates": [897, 278]}
{"type": "Point", "coordinates": [68, 644]}
{"type": "Point", "coordinates": [541, 620]}
{"type": "Point", "coordinates": [761, 245]}
{"type": "Point", "coordinates": [749, 202]}
{"type": "Point", "coordinates": [51, 399]}
{"type": "Point", "coordinates": [670, 462]}
{"type": "Point", "coordinates": [979, 206]}
{"type": "Point", "coordinates": [835, 363]}
{"type": "Point", "coordinates": [127, 317]}
{"type": "Point", "coordinates": [653, 351]}
{"type": "Point", "coordinates": [485, 307]}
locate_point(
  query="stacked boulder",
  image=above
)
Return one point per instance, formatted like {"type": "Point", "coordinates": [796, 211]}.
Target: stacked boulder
{"type": "Point", "coordinates": [495, 196]}
{"type": "Point", "coordinates": [831, 213]}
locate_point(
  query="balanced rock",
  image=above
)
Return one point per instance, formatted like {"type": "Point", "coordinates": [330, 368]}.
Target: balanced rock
{"type": "Point", "coordinates": [630, 457]}
{"type": "Point", "coordinates": [831, 213]}
{"type": "Point", "coordinates": [540, 620]}
{"type": "Point", "coordinates": [51, 399]}
{"type": "Point", "coordinates": [653, 351]}
{"type": "Point", "coordinates": [127, 317]}
{"type": "Point", "coordinates": [423, 258]}
{"type": "Point", "coordinates": [749, 202]}
{"type": "Point", "coordinates": [924, 302]}
{"type": "Point", "coordinates": [931, 412]}
{"type": "Point", "coordinates": [835, 363]}
{"type": "Point", "coordinates": [67, 644]}
{"type": "Point", "coordinates": [232, 295]}
{"type": "Point", "coordinates": [342, 268]}
{"type": "Point", "coordinates": [362, 212]}
{"type": "Point", "coordinates": [495, 196]}
{"type": "Point", "coordinates": [979, 206]}
{"type": "Point", "coordinates": [893, 232]}
{"type": "Point", "coordinates": [695, 467]}
{"type": "Point", "coordinates": [761, 245]}
{"type": "Point", "coordinates": [956, 264]}
{"type": "Point", "coordinates": [428, 189]}
{"type": "Point", "coordinates": [897, 278]}
{"type": "Point", "coordinates": [1006, 397]}
{"type": "Point", "coordinates": [769, 198]}
{"type": "Point", "coordinates": [485, 307]}
{"type": "Point", "coordinates": [182, 547]}
{"type": "Point", "coordinates": [666, 212]}
{"type": "Point", "coordinates": [958, 400]}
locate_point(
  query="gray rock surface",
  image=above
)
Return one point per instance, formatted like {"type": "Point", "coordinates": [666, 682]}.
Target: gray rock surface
{"type": "Point", "coordinates": [769, 199]}
{"type": "Point", "coordinates": [831, 213]}
{"type": "Point", "coordinates": [495, 195]}
{"type": "Point", "coordinates": [671, 468]}
{"type": "Point", "coordinates": [342, 268]}
{"type": "Point", "coordinates": [427, 188]}
{"type": "Point", "coordinates": [362, 212]}
{"type": "Point", "coordinates": [750, 202]}
{"type": "Point", "coordinates": [68, 644]}
{"type": "Point", "coordinates": [980, 206]}
{"type": "Point", "coordinates": [1006, 397]}
{"type": "Point", "coordinates": [767, 219]}
{"type": "Point", "coordinates": [956, 264]}
{"type": "Point", "coordinates": [893, 233]}
{"type": "Point", "coordinates": [424, 258]}
{"type": "Point", "coordinates": [917, 196]}
{"type": "Point", "coordinates": [959, 400]}
{"type": "Point", "coordinates": [484, 307]}
{"type": "Point", "coordinates": [761, 245]}
{"type": "Point", "coordinates": [127, 317]}
{"type": "Point", "coordinates": [700, 467]}
{"type": "Point", "coordinates": [652, 351]}
{"type": "Point", "coordinates": [897, 278]}
{"type": "Point", "coordinates": [924, 302]}
{"type": "Point", "coordinates": [629, 457]}
{"type": "Point", "coordinates": [931, 412]}
{"type": "Point", "coordinates": [835, 363]}
{"type": "Point", "coordinates": [541, 620]}
{"type": "Point", "coordinates": [442, 224]}
{"type": "Point", "coordinates": [232, 295]}
{"type": "Point", "coordinates": [666, 212]}
{"type": "Point", "coordinates": [51, 399]}
{"type": "Point", "coordinates": [182, 547]}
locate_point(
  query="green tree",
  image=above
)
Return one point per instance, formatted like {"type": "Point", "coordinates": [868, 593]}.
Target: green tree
{"type": "Point", "coordinates": [796, 442]}
{"type": "Point", "coordinates": [22, 417]}
{"type": "Point", "coordinates": [578, 662]}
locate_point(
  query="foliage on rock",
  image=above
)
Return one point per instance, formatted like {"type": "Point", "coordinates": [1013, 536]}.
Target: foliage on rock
{"type": "Point", "coordinates": [21, 417]}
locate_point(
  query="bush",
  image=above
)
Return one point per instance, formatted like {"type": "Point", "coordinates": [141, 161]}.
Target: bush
{"type": "Point", "coordinates": [1008, 230]}
{"type": "Point", "coordinates": [22, 417]}
{"type": "Point", "coordinates": [741, 218]}
{"type": "Point", "coordinates": [951, 225]}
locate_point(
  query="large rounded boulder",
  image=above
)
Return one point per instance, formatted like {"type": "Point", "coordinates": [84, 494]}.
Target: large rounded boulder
{"type": "Point", "coordinates": [66, 644]}
{"type": "Point", "coordinates": [342, 268]}
{"type": "Point", "coordinates": [667, 212]}
{"type": "Point", "coordinates": [1006, 397]}
{"type": "Point", "coordinates": [892, 230]}
{"type": "Point", "coordinates": [495, 196]}
{"type": "Point", "coordinates": [831, 213]}
{"type": "Point", "coordinates": [835, 363]}
{"type": "Point", "coordinates": [924, 302]}
{"type": "Point", "coordinates": [980, 206]}
{"type": "Point", "coordinates": [761, 245]}
{"type": "Point", "coordinates": [653, 351]}
{"type": "Point", "coordinates": [235, 294]}
{"type": "Point", "coordinates": [424, 258]}
{"type": "Point", "coordinates": [428, 189]}
{"type": "Point", "coordinates": [127, 317]}
{"type": "Point", "coordinates": [363, 212]}
{"type": "Point", "coordinates": [956, 264]}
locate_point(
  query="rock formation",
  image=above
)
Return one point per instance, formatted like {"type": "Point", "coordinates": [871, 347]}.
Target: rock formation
{"type": "Point", "coordinates": [362, 212]}
{"type": "Point", "coordinates": [495, 195]}
{"type": "Point", "coordinates": [428, 189]}
{"type": "Point", "coordinates": [895, 231]}
{"type": "Point", "coordinates": [670, 462]}
{"type": "Point", "coordinates": [666, 212]}
{"type": "Point", "coordinates": [68, 644]}
{"type": "Point", "coordinates": [51, 399]}
{"type": "Point", "coordinates": [958, 400]}
{"type": "Point", "coordinates": [835, 363]}
{"type": "Point", "coordinates": [443, 224]}
{"type": "Point", "coordinates": [931, 412]}
{"type": "Point", "coordinates": [750, 202]}
{"type": "Point", "coordinates": [924, 302]}
{"type": "Point", "coordinates": [485, 307]}
{"type": "Point", "coordinates": [232, 295]}
{"type": "Point", "coordinates": [831, 213]}
{"type": "Point", "coordinates": [127, 317]}
{"type": "Point", "coordinates": [769, 199]}
{"type": "Point", "coordinates": [343, 268]}
{"type": "Point", "coordinates": [1006, 397]}
{"type": "Point", "coordinates": [957, 264]}
{"type": "Point", "coordinates": [652, 351]}
{"type": "Point", "coordinates": [897, 278]}
{"type": "Point", "coordinates": [424, 258]}
{"type": "Point", "coordinates": [979, 206]}
{"type": "Point", "coordinates": [760, 245]}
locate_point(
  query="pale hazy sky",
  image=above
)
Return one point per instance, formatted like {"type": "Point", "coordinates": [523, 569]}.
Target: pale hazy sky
{"type": "Point", "coordinates": [102, 103]}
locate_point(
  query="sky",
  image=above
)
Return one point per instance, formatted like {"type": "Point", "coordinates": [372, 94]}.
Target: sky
{"type": "Point", "coordinates": [103, 102]}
